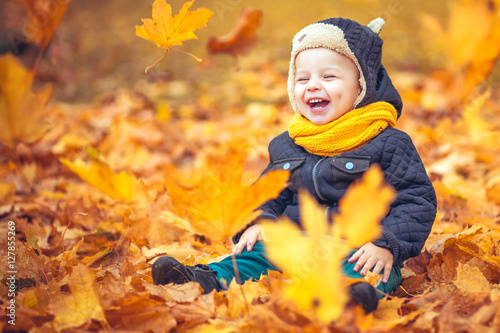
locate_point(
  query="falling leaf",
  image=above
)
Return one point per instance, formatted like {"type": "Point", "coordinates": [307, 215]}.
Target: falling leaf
{"type": "Point", "coordinates": [217, 205]}
{"type": "Point", "coordinates": [123, 186]}
{"type": "Point", "coordinates": [312, 259]}
{"type": "Point", "coordinates": [166, 30]}
{"type": "Point", "coordinates": [43, 18]}
{"type": "Point", "coordinates": [242, 38]}
{"type": "Point", "coordinates": [21, 112]}
{"type": "Point", "coordinates": [82, 305]}
{"type": "Point", "coordinates": [360, 226]}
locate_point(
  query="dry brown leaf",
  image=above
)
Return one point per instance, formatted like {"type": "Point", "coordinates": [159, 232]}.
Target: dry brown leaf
{"type": "Point", "coordinates": [242, 38]}
{"type": "Point", "coordinates": [43, 18]}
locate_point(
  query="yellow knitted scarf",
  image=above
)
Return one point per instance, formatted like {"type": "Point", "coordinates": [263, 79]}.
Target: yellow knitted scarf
{"type": "Point", "coordinates": [349, 132]}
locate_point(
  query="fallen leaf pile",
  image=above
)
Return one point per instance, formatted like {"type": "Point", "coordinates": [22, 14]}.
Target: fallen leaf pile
{"type": "Point", "coordinates": [98, 191]}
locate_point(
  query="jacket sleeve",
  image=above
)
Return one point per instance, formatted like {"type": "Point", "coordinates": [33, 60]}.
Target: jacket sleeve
{"type": "Point", "coordinates": [273, 208]}
{"type": "Point", "coordinates": [411, 215]}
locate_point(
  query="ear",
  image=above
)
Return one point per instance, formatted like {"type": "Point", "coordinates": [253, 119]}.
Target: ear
{"type": "Point", "coordinates": [376, 25]}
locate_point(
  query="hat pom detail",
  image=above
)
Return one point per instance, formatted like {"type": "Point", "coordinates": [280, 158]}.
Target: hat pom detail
{"type": "Point", "coordinates": [376, 25]}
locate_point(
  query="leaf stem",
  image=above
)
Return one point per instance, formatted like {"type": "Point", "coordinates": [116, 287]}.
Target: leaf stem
{"type": "Point", "coordinates": [163, 56]}
{"type": "Point", "coordinates": [190, 54]}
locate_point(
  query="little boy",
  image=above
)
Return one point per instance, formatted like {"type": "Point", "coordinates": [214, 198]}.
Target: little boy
{"type": "Point", "coordinates": [346, 109]}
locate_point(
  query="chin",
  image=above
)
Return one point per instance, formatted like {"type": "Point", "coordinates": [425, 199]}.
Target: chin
{"type": "Point", "coordinates": [317, 121]}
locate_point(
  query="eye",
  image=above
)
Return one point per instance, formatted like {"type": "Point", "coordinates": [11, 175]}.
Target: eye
{"type": "Point", "coordinates": [302, 79]}
{"type": "Point", "coordinates": [329, 76]}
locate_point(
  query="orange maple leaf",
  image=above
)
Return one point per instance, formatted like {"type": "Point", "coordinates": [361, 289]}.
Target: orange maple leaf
{"type": "Point", "coordinates": [242, 38]}
{"type": "Point", "coordinates": [218, 205]}
{"type": "Point", "coordinates": [21, 111]}
{"type": "Point", "coordinates": [43, 18]}
{"type": "Point", "coordinates": [166, 30]}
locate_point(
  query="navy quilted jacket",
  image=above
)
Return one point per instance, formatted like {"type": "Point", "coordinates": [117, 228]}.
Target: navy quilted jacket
{"type": "Point", "coordinates": [411, 215]}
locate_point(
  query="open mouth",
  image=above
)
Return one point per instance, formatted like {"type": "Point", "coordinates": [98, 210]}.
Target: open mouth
{"type": "Point", "coordinates": [318, 103]}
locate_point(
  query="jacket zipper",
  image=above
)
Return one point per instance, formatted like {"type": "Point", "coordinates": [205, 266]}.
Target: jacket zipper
{"type": "Point", "coordinates": [315, 181]}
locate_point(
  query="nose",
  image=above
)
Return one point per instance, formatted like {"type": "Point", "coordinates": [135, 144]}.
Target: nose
{"type": "Point", "coordinates": [313, 85]}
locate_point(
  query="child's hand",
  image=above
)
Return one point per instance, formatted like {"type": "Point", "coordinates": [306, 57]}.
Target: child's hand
{"type": "Point", "coordinates": [248, 239]}
{"type": "Point", "coordinates": [370, 255]}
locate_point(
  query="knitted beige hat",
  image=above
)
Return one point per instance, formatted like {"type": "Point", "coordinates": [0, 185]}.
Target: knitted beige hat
{"type": "Point", "coordinates": [359, 43]}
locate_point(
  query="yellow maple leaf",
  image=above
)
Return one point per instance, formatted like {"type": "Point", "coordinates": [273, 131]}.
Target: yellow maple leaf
{"type": "Point", "coordinates": [217, 204]}
{"type": "Point", "coordinates": [122, 186]}
{"type": "Point", "coordinates": [312, 256]}
{"type": "Point", "coordinates": [21, 111]}
{"type": "Point", "coordinates": [82, 305]}
{"type": "Point", "coordinates": [166, 30]}
{"type": "Point", "coordinates": [359, 226]}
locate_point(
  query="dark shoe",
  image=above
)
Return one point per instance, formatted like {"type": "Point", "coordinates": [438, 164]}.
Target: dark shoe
{"type": "Point", "coordinates": [168, 270]}
{"type": "Point", "coordinates": [364, 294]}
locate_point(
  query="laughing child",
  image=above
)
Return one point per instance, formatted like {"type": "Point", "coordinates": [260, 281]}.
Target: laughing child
{"type": "Point", "coordinates": [345, 112]}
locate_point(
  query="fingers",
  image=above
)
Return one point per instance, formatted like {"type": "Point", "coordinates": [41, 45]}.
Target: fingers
{"type": "Point", "coordinates": [355, 257]}
{"type": "Point", "coordinates": [250, 245]}
{"type": "Point", "coordinates": [361, 262]}
{"type": "Point", "coordinates": [237, 248]}
{"type": "Point", "coordinates": [368, 266]}
{"type": "Point", "coordinates": [379, 266]}
{"type": "Point", "coordinates": [387, 272]}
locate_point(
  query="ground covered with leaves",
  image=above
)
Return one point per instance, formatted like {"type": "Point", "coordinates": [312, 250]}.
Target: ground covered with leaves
{"type": "Point", "coordinates": [95, 191]}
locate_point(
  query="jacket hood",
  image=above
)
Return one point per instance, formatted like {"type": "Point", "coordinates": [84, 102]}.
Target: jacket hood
{"type": "Point", "coordinates": [385, 91]}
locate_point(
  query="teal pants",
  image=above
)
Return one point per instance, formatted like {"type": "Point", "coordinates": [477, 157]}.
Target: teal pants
{"type": "Point", "coordinates": [251, 265]}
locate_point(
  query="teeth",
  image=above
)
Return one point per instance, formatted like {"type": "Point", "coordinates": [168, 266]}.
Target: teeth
{"type": "Point", "coordinates": [316, 100]}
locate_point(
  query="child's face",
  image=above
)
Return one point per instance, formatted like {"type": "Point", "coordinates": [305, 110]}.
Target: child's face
{"type": "Point", "coordinates": [326, 85]}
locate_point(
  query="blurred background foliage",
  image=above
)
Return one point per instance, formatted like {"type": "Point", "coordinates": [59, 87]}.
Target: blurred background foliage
{"type": "Point", "coordinates": [95, 50]}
